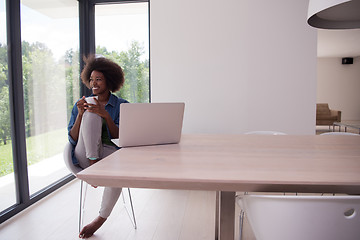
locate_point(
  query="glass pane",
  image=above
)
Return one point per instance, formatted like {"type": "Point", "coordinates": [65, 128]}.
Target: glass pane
{"type": "Point", "coordinates": [50, 55]}
{"type": "Point", "coordinates": [122, 34]}
{"type": "Point", "coordinates": [7, 180]}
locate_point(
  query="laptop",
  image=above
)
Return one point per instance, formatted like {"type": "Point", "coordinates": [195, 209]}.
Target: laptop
{"type": "Point", "coordinates": [142, 124]}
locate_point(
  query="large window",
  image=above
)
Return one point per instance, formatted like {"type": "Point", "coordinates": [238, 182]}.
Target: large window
{"type": "Point", "coordinates": [122, 34]}
{"type": "Point", "coordinates": [40, 82]}
{"type": "Point", "coordinates": [50, 60]}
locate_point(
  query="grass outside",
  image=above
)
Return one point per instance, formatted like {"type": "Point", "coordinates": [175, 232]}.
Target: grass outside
{"type": "Point", "coordinates": [37, 148]}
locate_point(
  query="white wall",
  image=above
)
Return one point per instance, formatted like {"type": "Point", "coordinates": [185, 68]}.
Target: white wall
{"type": "Point", "coordinates": [339, 86]}
{"type": "Point", "coordinates": [239, 65]}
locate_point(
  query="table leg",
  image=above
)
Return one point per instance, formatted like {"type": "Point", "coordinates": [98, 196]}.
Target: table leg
{"type": "Point", "coordinates": [226, 219]}
{"type": "Point", "coordinates": [217, 208]}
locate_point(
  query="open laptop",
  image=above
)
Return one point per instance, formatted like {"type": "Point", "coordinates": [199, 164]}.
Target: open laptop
{"type": "Point", "coordinates": [143, 124]}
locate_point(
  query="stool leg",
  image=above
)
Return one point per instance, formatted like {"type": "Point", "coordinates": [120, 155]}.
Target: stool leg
{"type": "Point", "coordinates": [82, 204]}
{"type": "Point", "coordinates": [132, 215]}
{"type": "Point", "coordinates": [132, 209]}
{"type": "Point", "coordinates": [241, 223]}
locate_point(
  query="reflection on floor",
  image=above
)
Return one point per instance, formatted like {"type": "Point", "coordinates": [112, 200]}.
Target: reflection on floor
{"type": "Point", "coordinates": [160, 215]}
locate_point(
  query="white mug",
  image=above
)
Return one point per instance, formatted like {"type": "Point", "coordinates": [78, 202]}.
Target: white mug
{"type": "Point", "coordinates": [91, 99]}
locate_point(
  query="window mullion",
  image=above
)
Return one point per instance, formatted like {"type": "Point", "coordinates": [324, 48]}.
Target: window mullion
{"type": "Point", "coordinates": [87, 36]}
{"type": "Point", "coordinates": [17, 100]}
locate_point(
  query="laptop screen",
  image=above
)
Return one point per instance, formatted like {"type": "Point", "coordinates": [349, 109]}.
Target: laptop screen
{"type": "Point", "coordinates": [143, 124]}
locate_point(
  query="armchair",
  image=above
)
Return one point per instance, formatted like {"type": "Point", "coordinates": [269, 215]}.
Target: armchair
{"type": "Point", "coordinates": [326, 116]}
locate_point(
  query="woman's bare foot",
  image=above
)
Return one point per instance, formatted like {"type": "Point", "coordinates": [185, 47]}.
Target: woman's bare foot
{"type": "Point", "coordinates": [91, 228]}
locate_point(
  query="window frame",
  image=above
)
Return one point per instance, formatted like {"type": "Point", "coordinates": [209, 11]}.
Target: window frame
{"type": "Point", "coordinates": [86, 46]}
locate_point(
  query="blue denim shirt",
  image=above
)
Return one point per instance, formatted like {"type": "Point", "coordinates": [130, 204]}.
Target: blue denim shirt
{"type": "Point", "coordinates": [112, 107]}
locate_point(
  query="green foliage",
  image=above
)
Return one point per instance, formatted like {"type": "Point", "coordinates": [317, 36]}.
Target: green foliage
{"type": "Point", "coordinates": [6, 163]}
{"type": "Point", "coordinates": [42, 78]}
{"type": "Point", "coordinates": [38, 148]}
{"type": "Point", "coordinates": [3, 60]}
{"type": "Point", "coordinates": [3, 66]}
{"type": "Point", "coordinates": [45, 145]}
{"type": "Point", "coordinates": [71, 78]}
{"type": "Point", "coordinates": [136, 86]}
{"type": "Point", "coordinates": [5, 127]}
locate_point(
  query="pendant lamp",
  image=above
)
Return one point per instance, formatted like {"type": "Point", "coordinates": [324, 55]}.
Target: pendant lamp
{"type": "Point", "coordinates": [334, 14]}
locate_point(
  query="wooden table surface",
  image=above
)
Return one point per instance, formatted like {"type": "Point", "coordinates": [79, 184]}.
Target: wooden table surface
{"type": "Point", "coordinates": [236, 163]}
{"type": "Point", "coordinates": [230, 163]}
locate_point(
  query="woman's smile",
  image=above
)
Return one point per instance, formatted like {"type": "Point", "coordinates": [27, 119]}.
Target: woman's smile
{"type": "Point", "coordinates": [98, 83]}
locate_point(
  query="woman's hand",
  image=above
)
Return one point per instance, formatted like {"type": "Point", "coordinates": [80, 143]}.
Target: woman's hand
{"type": "Point", "coordinates": [81, 105]}
{"type": "Point", "coordinates": [97, 108]}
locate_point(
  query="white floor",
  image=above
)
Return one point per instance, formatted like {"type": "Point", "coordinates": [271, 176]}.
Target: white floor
{"type": "Point", "coordinates": [160, 215]}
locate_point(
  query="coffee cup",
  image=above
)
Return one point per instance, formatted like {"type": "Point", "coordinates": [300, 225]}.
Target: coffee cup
{"type": "Point", "coordinates": [91, 99]}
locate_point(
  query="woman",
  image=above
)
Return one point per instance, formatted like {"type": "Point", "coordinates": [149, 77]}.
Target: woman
{"type": "Point", "coordinates": [92, 126]}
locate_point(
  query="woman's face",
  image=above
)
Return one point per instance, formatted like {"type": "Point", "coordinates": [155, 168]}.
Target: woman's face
{"type": "Point", "coordinates": [98, 83]}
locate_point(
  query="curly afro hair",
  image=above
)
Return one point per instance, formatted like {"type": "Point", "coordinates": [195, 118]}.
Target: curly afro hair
{"type": "Point", "coordinates": [113, 73]}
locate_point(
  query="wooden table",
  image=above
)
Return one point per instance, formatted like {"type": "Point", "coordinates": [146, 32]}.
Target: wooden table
{"type": "Point", "coordinates": [230, 163]}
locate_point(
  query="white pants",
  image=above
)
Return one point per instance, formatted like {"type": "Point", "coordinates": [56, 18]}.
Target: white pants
{"type": "Point", "coordinates": [89, 146]}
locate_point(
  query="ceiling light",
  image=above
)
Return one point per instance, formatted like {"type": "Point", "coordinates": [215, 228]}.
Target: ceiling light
{"type": "Point", "coordinates": [334, 14]}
